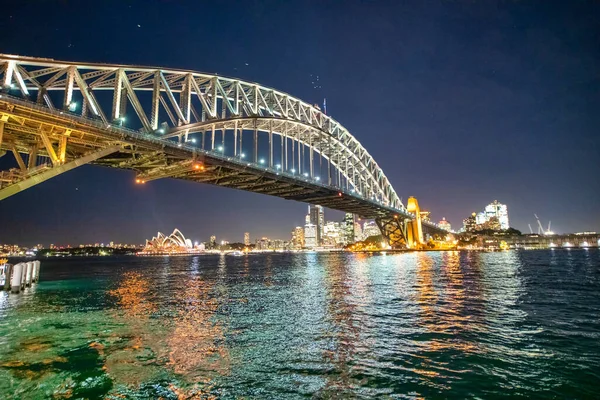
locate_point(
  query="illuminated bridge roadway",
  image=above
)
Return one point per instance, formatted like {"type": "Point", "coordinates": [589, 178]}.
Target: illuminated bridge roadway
{"type": "Point", "coordinates": [56, 116]}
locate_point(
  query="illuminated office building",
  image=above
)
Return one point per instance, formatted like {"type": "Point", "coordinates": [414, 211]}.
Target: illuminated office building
{"type": "Point", "coordinates": [445, 225]}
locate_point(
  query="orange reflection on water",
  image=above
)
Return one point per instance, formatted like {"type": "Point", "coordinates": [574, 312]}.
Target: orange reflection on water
{"type": "Point", "coordinates": [442, 302]}
{"type": "Point", "coordinates": [346, 335]}
{"type": "Point", "coordinates": [137, 304]}
{"type": "Point", "coordinates": [132, 295]}
{"type": "Point", "coordinates": [196, 344]}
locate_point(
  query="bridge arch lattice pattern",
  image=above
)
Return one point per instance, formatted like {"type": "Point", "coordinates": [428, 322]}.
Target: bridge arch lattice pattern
{"type": "Point", "coordinates": [160, 122]}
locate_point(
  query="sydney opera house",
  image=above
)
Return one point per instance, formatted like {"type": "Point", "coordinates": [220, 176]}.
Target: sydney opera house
{"type": "Point", "coordinates": [174, 243]}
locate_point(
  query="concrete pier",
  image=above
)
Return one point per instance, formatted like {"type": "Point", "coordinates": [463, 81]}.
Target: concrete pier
{"type": "Point", "coordinates": [28, 273]}
{"type": "Point", "coordinates": [17, 278]}
{"type": "Point", "coordinates": [23, 275]}
{"type": "Point", "coordinates": [37, 270]}
{"type": "Point", "coordinates": [5, 271]}
{"type": "Point", "coordinates": [34, 272]}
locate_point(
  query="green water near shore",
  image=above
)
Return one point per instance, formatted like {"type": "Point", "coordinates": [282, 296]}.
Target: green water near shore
{"type": "Point", "coordinates": [413, 325]}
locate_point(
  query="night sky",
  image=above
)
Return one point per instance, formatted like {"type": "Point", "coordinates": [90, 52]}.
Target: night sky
{"type": "Point", "coordinates": [460, 103]}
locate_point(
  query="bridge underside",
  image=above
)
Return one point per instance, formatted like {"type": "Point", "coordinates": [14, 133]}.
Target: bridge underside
{"type": "Point", "coordinates": [46, 143]}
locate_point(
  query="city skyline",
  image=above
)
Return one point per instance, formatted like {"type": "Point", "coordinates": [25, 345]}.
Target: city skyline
{"type": "Point", "coordinates": [515, 106]}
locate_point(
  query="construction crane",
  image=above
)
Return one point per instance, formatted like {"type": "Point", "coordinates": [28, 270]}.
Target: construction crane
{"type": "Point", "coordinates": [540, 227]}
{"type": "Point", "coordinates": [541, 230]}
{"type": "Point", "coordinates": [530, 230]}
{"type": "Point", "coordinates": [549, 232]}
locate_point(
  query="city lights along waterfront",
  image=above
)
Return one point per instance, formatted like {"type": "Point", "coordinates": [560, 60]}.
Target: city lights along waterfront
{"type": "Point", "coordinates": [442, 234]}
{"type": "Point", "coordinates": [292, 325]}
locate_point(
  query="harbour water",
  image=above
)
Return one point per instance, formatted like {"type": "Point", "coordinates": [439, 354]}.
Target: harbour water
{"type": "Point", "coordinates": [413, 325]}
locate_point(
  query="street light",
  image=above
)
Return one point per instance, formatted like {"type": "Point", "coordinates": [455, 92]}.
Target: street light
{"type": "Point", "coordinates": [242, 155]}
{"type": "Point", "coordinates": [220, 148]}
{"type": "Point", "coordinates": [262, 161]}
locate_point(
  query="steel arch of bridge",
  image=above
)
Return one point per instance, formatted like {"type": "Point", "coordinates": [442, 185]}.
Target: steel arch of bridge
{"type": "Point", "coordinates": [190, 100]}
{"type": "Point", "coordinates": [68, 114]}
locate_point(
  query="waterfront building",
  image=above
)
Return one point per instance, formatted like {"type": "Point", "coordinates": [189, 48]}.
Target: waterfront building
{"type": "Point", "coordinates": [470, 223]}
{"type": "Point", "coordinates": [370, 228]}
{"type": "Point", "coordinates": [213, 242]}
{"type": "Point", "coordinates": [480, 218]}
{"type": "Point", "coordinates": [333, 234]}
{"type": "Point", "coordinates": [317, 218]}
{"type": "Point", "coordinates": [174, 243]}
{"type": "Point", "coordinates": [496, 210]}
{"type": "Point", "coordinates": [445, 224]}
{"type": "Point", "coordinates": [499, 211]}
{"type": "Point", "coordinates": [247, 239]}
{"type": "Point", "coordinates": [310, 236]}
{"type": "Point", "coordinates": [262, 244]}
{"type": "Point", "coordinates": [298, 238]}
{"type": "Point", "coordinates": [491, 224]}
{"type": "Point", "coordinates": [358, 233]}
{"type": "Point", "coordinates": [349, 228]}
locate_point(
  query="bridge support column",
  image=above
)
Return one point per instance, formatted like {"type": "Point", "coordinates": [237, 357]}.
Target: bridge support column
{"type": "Point", "coordinates": [414, 231]}
{"type": "Point", "coordinates": [393, 230]}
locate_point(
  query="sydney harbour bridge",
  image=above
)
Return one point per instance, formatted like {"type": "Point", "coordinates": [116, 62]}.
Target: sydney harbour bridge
{"type": "Point", "coordinates": [167, 123]}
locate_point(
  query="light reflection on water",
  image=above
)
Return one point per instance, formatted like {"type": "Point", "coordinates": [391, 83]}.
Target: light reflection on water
{"type": "Point", "coordinates": [415, 325]}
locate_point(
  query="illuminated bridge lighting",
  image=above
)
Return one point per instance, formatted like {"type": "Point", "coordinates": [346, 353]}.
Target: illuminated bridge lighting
{"type": "Point", "coordinates": [305, 142]}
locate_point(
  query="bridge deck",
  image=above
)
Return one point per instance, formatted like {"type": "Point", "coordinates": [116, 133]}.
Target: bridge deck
{"type": "Point", "coordinates": [153, 158]}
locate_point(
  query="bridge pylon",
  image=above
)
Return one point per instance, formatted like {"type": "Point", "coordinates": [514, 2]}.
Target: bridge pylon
{"type": "Point", "coordinates": [414, 228]}
{"type": "Point", "coordinates": [393, 230]}
{"type": "Point", "coordinates": [401, 232]}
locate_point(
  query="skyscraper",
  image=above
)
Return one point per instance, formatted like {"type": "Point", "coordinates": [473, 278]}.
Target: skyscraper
{"type": "Point", "coordinates": [358, 233]}
{"type": "Point", "coordinates": [247, 239]}
{"type": "Point", "coordinates": [499, 211]}
{"type": "Point", "coordinates": [349, 228]}
{"type": "Point", "coordinates": [310, 236]}
{"type": "Point", "coordinates": [370, 228]}
{"type": "Point", "coordinates": [317, 218]}
{"type": "Point", "coordinates": [298, 238]}
{"type": "Point", "coordinates": [470, 223]}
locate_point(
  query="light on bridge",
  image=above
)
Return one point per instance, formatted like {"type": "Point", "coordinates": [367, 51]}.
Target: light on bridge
{"type": "Point", "coordinates": [262, 161]}
{"type": "Point", "coordinates": [193, 140]}
{"type": "Point", "coordinates": [293, 171]}
{"type": "Point", "coordinates": [305, 174]}
{"type": "Point", "coordinates": [242, 155]}
{"type": "Point", "coordinates": [278, 166]}
{"type": "Point", "coordinates": [339, 194]}
{"type": "Point", "coordinates": [317, 178]}
{"type": "Point", "coordinates": [220, 148]}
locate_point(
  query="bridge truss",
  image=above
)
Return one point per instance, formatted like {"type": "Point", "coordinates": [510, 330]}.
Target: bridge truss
{"type": "Point", "coordinates": [56, 115]}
